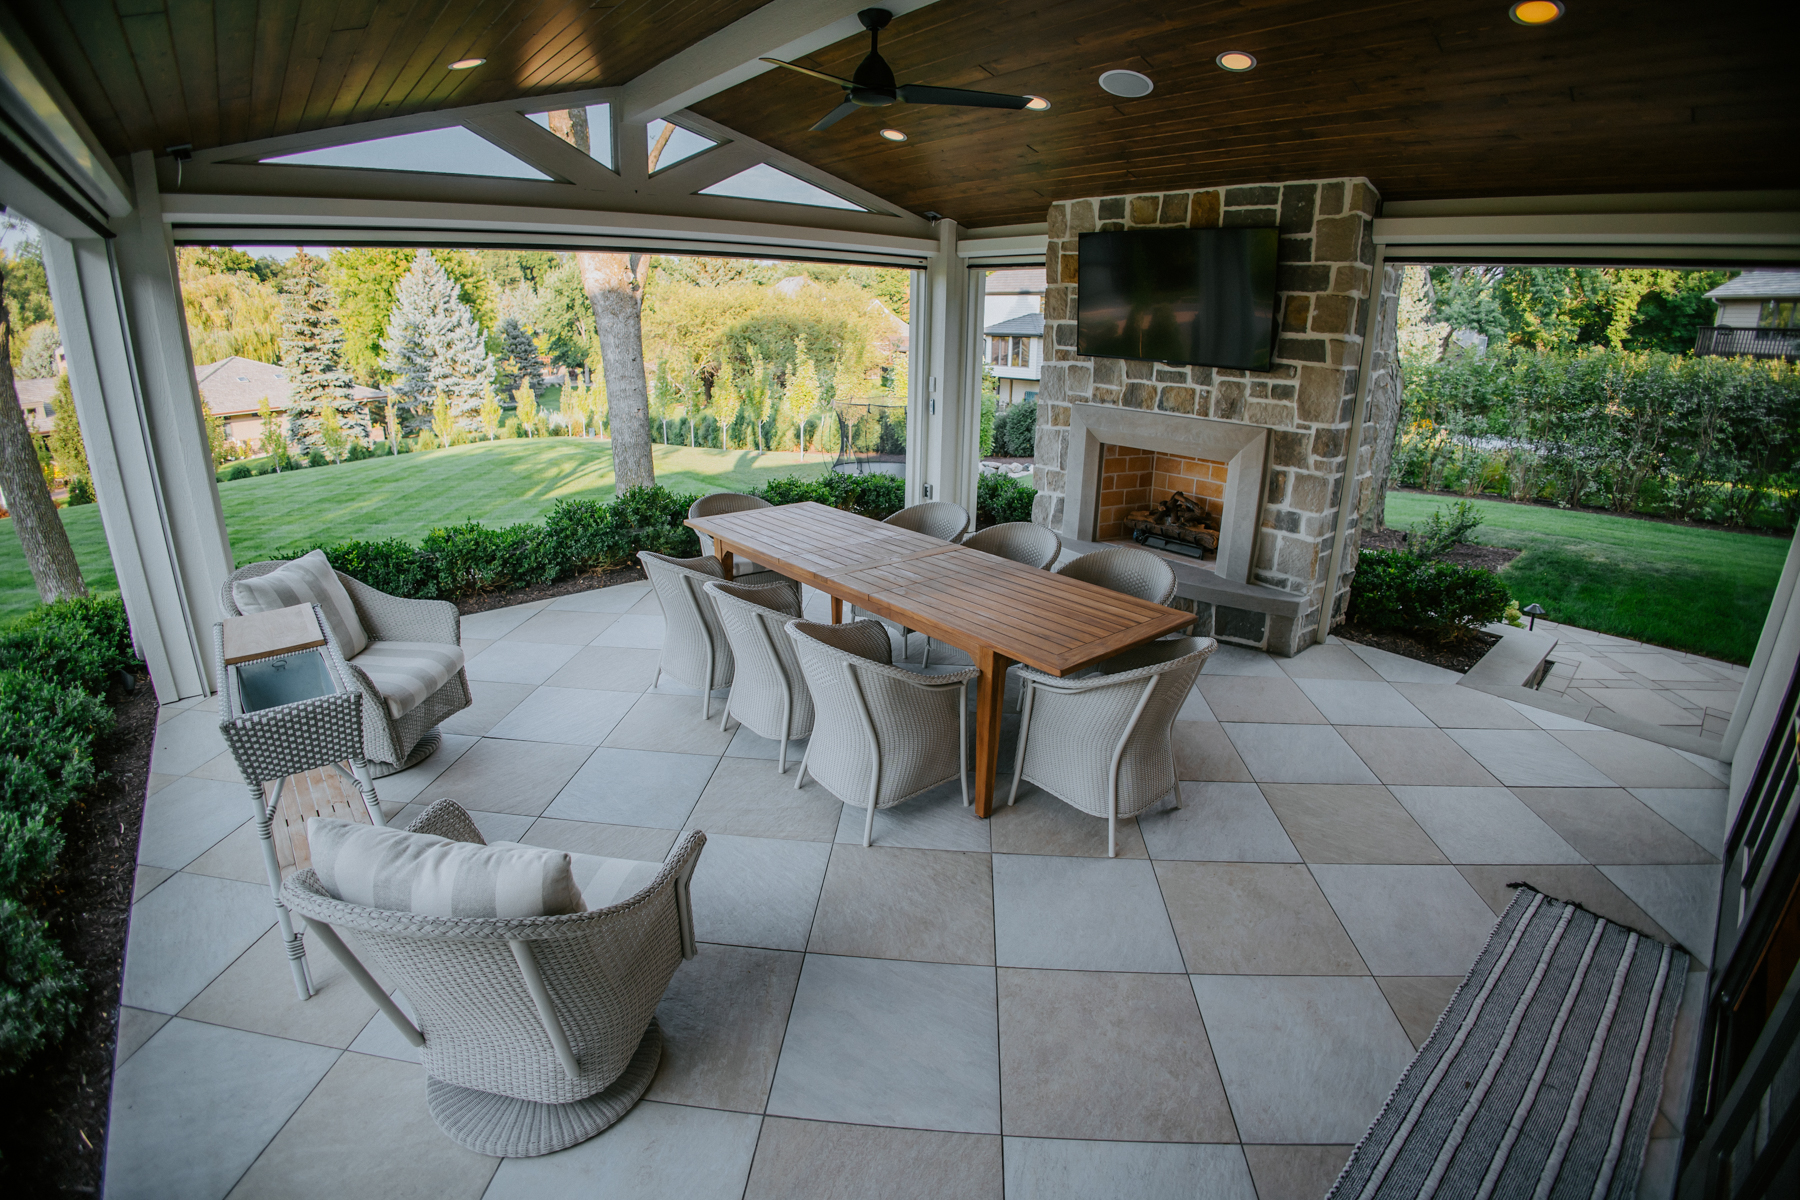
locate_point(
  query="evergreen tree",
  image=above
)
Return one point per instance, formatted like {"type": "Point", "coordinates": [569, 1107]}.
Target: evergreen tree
{"type": "Point", "coordinates": [525, 405]}
{"type": "Point", "coordinates": [41, 345]}
{"type": "Point", "coordinates": [519, 357]}
{"type": "Point", "coordinates": [490, 413]}
{"type": "Point", "coordinates": [434, 345]}
{"type": "Point", "coordinates": [312, 351]}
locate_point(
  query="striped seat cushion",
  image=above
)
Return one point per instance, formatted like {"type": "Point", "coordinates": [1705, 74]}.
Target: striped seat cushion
{"type": "Point", "coordinates": [402, 871]}
{"type": "Point", "coordinates": [406, 673]}
{"type": "Point", "coordinates": [605, 882]}
{"type": "Point", "coordinates": [307, 580]}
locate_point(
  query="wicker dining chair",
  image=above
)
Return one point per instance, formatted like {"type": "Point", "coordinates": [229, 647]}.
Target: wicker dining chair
{"type": "Point", "coordinates": [881, 735]}
{"type": "Point", "coordinates": [719, 503]}
{"type": "Point", "coordinates": [1016, 541]}
{"type": "Point", "coordinates": [411, 673]}
{"type": "Point", "coordinates": [1103, 743]}
{"type": "Point", "coordinates": [940, 519]}
{"type": "Point", "coordinates": [695, 650]}
{"type": "Point", "coordinates": [768, 694]}
{"type": "Point", "coordinates": [535, 1032]}
{"type": "Point", "coordinates": [1125, 569]}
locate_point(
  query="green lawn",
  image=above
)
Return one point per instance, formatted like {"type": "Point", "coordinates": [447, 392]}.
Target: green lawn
{"type": "Point", "coordinates": [496, 483]}
{"type": "Point", "coordinates": [1702, 590]}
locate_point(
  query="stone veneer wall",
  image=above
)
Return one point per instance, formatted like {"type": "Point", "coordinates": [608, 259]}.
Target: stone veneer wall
{"type": "Point", "coordinates": [1326, 261]}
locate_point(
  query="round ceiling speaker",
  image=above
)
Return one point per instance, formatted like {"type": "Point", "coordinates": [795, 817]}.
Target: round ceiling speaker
{"type": "Point", "coordinates": [1129, 84]}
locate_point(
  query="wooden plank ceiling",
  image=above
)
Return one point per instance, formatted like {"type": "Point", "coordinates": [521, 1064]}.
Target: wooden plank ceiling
{"type": "Point", "coordinates": [1429, 98]}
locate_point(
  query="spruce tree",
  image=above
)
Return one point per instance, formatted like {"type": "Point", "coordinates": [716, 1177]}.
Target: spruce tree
{"type": "Point", "coordinates": [312, 352]}
{"type": "Point", "coordinates": [434, 345]}
{"type": "Point", "coordinates": [519, 361]}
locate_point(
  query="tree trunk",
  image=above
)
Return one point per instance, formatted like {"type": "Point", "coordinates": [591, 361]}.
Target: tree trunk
{"type": "Point", "coordinates": [34, 519]}
{"type": "Point", "coordinates": [615, 287]}
{"type": "Point", "coordinates": [1384, 399]}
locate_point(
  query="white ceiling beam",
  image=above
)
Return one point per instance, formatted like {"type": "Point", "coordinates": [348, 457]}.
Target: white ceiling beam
{"type": "Point", "coordinates": [785, 29]}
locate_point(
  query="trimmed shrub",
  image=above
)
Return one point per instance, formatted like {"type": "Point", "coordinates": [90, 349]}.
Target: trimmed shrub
{"type": "Point", "coordinates": [877, 496]}
{"type": "Point", "coordinates": [1000, 498]}
{"type": "Point", "coordinates": [1434, 600]}
{"type": "Point", "coordinates": [240, 471]}
{"type": "Point", "coordinates": [40, 990]}
{"type": "Point", "coordinates": [80, 491]}
{"type": "Point", "coordinates": [1015, 431]}
{"type": "Point", "coordinates": [72, 643]}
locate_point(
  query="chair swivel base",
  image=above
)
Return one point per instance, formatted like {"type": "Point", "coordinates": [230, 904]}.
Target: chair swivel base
{"type": "Point", "coordinates": [427, 746]}
{"type": "Point", "coordinates": [505, 1127]}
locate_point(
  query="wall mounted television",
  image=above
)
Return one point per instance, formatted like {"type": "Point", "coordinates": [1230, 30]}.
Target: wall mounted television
{"type": "Point", "coordinates": [1197, 297]}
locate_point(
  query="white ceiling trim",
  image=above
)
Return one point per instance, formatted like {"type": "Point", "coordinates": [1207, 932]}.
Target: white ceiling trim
{"type": "Point", "coordinates": [1674, 237]}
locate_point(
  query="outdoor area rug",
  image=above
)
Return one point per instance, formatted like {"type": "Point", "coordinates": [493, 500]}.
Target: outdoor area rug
{"type": "Point", "coordinates": [1542, 1077]}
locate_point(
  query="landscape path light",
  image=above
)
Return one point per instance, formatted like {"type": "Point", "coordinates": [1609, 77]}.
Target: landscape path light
{"type": "Point", "coordinates": [1534, 611]}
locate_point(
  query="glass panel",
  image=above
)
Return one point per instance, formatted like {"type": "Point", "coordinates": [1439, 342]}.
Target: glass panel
{"type": "Point", "coordinates": [587, 129]}
{"type": "Point", "coordinates": [763, 182]}
{"type": "Point", "coordinates": [452, 151]}
{"type": "Point", "coordinates": [676, 144]}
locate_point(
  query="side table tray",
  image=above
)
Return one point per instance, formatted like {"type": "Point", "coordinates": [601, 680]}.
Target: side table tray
{"type": "Point", "coordinates": [288, 705]}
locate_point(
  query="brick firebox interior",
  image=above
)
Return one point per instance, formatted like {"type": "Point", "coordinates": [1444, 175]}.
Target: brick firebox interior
{"type": "Point", "coordinates": [1132, 479]}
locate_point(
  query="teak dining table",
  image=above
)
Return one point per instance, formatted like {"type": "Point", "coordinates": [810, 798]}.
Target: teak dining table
{"type": "Point", "coordinates": [996, 611]}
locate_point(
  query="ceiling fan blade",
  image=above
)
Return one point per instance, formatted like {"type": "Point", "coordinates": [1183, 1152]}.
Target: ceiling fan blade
{"type": "Point", "coordinates": [920, 93]}
{"type": "Point", "coordinates": [837, 114]}
{"type": "Point", "coordinates": [809, 71]}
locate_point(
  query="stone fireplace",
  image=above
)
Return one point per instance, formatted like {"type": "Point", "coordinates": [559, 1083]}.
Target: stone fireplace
{"type": "Point", "coordinates": [1134, 482]}
{"type": "Point", "coordinates": [1281, 434]}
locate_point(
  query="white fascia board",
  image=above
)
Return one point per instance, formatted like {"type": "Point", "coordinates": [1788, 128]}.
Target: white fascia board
{"type": "Point", "coordinates": [1720, 229]}
{"type": "Point", "coordinates": [512, 224]}
{"type": "Point", "coordinates": [1024, 243]}
{"type": "Point", "coordinates": [785, 29]}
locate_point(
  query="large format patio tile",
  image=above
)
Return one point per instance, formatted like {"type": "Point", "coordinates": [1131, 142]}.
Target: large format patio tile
{"type": "Point", "coordinates": [1305, 1059]}
{"type": "Point", "coordinates": [656, 1151]}
{"type": "Point", "coordinates": [1484, 825]}
{"type": "Point", "coordinates": [1610, 825]}
{"type": "Point", "coordinates": [1297, 754]}
{"type": "Point", "coordinates": [1218, 822]}
{"type": "Point", "coordinates": [499, 776]}
{"type": "Point", "coordinates": [606, 841]}
{"type": "Point", "coordinates": [1237, 660]}
{"type": "Point", "coordinates": [519, 662]}
{"type": "Point", "coordinates": [1454, 707]}
{"type": "Point", "coordinates": [638, 631]}
{"type": "Point", "coordinates": [1415, 756]}
{"type": "Point", "coordinates": [1254, 919]}
{"type": "Point", "coordinates": [560, 626]}
{"type": "Point", "coordinates": [634, 787]}
{"type": "Point", "coordinates": [670, 724]}
{"type": "Point", "coordinates": [187, 931]}
{"type": "Point", "coordinates": [1080, 914]}
{"type": "Point", "coordinates": [1074, 1169]}
{"type": "Point", "coordinates": [326, 1147]}
{"type": "Point", "coordinates": [1360, 702]}
{"type": "Point", "coordinates": [1408, 920]}
{"type": "Point", "coordinates": [189, 817]}
{"type": "Point", "coordinates": [1419, 1000]}
{"type": "Point", "coordinates": [1113, 1057]}
{"type": "Point", "coordinates": [1251, 698]}
{"type": "Point", "coordinates": [496, 623]}
{"type": "Point", "coordinates": [1039, 823]}
{"type": "Point", "coordinates": [193, 1108]}
{"type": "Point", "coordinates": [822, 1158]}
{"type": "Point", "coordinates": [185, 742]}
{"type": "Point", "coordinates": [1584, 885]}
{"type": "Point", "coordinates": [1396, 668]}
{"type": "Point", "coordinates": [872, 1042]}
{"type": "Point", "coordinates": [404, 787]}
{"type": "Point", "coordinates": [618, 598]}
{"type": "Point", "coordinates": [1633, 762]}
{"type": "Point", "coordinates": [576, 716]}
{"type": "Point", "coordinates": [609, 669]}
{"type": "Point", "coordinates": [1682, 899]}
{"type": "Point", "coordinates": [926, 905]}
{"type": "Point", "coordinates": [1296, 1172]}
{"type": "Point", "coordinates": [491, 702]}
{"type": "Point", "coordinates": [756, 891]}
{"type": "Point", "coordinates": [722, 1021]}
{"type": "Point", "coordinates": [1203, 753]}
{"type": "Point", "coordinates": [937, 820]}
{"type": "Point", "coordinates": [1521, 758]}
{"type": "Point", "coordinates": [1335, 661]}
{"type": "Point", "coordinates": [1340, 823]}
{"type": "Point", "coordinates": [747, 796]}
{"type": "Point", "coordinates": [1697, 812]}
{"type": "Point", "coordinates": [256, 993]}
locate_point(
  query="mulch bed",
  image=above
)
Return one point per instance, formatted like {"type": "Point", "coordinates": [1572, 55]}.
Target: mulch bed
{"type": "Point", "coordinates": [53, 1137]}
{"type": "Point", "coordinates": [1455, 656]}
{"type": "Point", "coordinates": [470, 605]}
{"type": "Point", "coordinates": [1463, 554]}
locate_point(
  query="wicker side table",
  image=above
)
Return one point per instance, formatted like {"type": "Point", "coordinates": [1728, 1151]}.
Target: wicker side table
{"type": "Point", "coordinates": [287, 705]}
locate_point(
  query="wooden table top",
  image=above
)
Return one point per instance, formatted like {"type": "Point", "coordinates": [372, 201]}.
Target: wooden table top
{"type": "Point", "coordinates": [960, 596]}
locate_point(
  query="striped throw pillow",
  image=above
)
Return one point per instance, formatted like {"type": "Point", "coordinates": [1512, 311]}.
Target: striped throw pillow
{"type": "Point", "coordinates": [306, 580]}
{"type": "Point", "coordinates": [402, 871]}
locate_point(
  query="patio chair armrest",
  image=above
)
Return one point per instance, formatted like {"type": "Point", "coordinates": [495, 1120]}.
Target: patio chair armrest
{"type": "Point", "coordinates": [685, 857]}
{"type": "Point", "coordinates": [448, 819]}
{"type": "Point", "coordinates": [394, 619]}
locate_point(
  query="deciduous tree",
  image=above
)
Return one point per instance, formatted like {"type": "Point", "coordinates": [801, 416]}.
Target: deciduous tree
{"type": "Point", "coordinates": [34, 517]}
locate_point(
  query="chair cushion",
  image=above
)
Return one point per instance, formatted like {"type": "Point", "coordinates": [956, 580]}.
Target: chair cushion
{"type": "Point", "coordinates": [605, 881]}
{"type": "Point", "coordinates": [307, 580]}
{"type": "Point", "coordinates": [402, 871]}
{"type": "Point", "coordinates": [407, 673]}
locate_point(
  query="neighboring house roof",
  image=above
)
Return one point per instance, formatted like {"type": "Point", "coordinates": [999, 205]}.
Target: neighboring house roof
{"type": "Point", "coordinates": [237, 385]}
{"type": "Point", "coordinates": [36, 395]}
{"type": "Point", "coordinates": [1760, 285]}
{"type": "Point", "coordinates": [1027, 281]}
{"type": "Point", "coordinates": [1023, 325]}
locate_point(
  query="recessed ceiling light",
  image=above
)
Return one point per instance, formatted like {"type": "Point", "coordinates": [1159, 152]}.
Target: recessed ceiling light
{"type": "Point", "coordinates": [465, 64]}
{"type": "Point", "coordinates": [894, 135]}
{"type": "Point", "coordinates": [1236, 60]}
{"type": "Point", "coordinates": [1536, 12]}
{"type": "Point", "coordinates": [1037, 104]}
{"type": "Point", "coordinates": [1129, 84]}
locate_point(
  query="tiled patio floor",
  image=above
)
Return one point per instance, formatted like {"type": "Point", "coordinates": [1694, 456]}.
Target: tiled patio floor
{"type": "Point", "coordinates": [967, 1009]}
{"type": "Point", "coordinates": [1688, 693]}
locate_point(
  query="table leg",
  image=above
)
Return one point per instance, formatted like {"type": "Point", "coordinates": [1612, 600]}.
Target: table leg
{"type": "Point", "coordinates": [726, 560]}
{"type": "Point", "coordinates": [837, 611]}
{"type": "Point", "coordinates": [990, 697]}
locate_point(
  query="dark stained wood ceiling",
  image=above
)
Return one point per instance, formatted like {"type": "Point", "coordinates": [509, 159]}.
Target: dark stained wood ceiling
{"type": "Point", "coordinates": [149, 74]}
{"type": "Point", "coordinates": [1429, 99]}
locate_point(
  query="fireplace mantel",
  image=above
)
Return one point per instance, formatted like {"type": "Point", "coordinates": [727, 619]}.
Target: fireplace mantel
{"type": "Point", "coordinates": [1244, 447]}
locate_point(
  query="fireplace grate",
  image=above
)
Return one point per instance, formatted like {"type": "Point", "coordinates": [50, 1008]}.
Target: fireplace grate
{"type": "Point", "coordinates": [1179, 523]}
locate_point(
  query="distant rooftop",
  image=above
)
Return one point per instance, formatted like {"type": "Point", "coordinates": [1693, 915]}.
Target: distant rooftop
{"type": "Point", "coordinates": [1760, 285]}
{"type": "Point", "coordinates": [238, 385]}
{"type": "Point", "coordinates": [1024, 325]}
{"type": "Point", "coordinates": [1016, 281]}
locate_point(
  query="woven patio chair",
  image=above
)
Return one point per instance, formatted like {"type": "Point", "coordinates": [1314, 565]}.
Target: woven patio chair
{"type": "Point", "coordinates": [1125, 569]}
{"type": "Point", "coordinates": [1016, 541]}
{"type": "Point", "coordinates": [1102, 743]}
{"type": "Point", "coordinates": [535, 1032]}
{"type": "Point", "coordinates": [408, 664]}
{"type": "Point", "coordinates": [768, 693]}
{"type": "Point", "coordinates": [881, 735]}
{"type": "Point", "coordinates": [935, 518]}
{"type": "Point", "coordinates": [695, 650]}
{"type": "Point", "coordinates": [729, 502]}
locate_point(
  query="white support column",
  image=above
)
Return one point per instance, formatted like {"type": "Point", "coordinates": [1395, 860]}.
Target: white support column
{"type": "Point", "coordinates": [119, 310]}
{"type": "Point", "coordinates": [952, 390]}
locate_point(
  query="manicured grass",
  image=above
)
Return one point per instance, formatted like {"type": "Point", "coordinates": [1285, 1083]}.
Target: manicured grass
{"type": "Point", "coordinates": [406, 496]}
{"type": "Point", "coordinates": [1706, 591]}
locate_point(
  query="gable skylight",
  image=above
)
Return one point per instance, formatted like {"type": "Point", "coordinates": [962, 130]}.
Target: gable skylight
{"type": "Point", "coordinates": [681, 144]}
{"type": "Point", "coordinates": [763, 182]}
{"type": "Point", "coordinates": [452, 151]}
{"type": "Point", "coordinates": [599, 129]}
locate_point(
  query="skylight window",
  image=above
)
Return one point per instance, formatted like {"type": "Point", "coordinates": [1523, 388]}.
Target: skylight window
{"type": "Point", "coordinates": [598, 129]}
{"type": "Point", "coordinates": [763, 182]}
{"type": "Point", "coordinates": [452, 151]}
{"type": "Point", "coordinates": [669, 144]}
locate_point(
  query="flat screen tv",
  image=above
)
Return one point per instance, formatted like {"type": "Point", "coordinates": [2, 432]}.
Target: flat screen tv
{"type": "Point", "coordinates": [1200, 297]}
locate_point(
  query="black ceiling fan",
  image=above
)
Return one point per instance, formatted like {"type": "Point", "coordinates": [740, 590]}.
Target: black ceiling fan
{"type": "Point", "coordinates": [873, 85]}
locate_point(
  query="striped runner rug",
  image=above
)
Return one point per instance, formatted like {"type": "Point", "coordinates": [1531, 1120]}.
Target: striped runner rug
{"type": "Point", "coordinates": [1541, 1079]}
